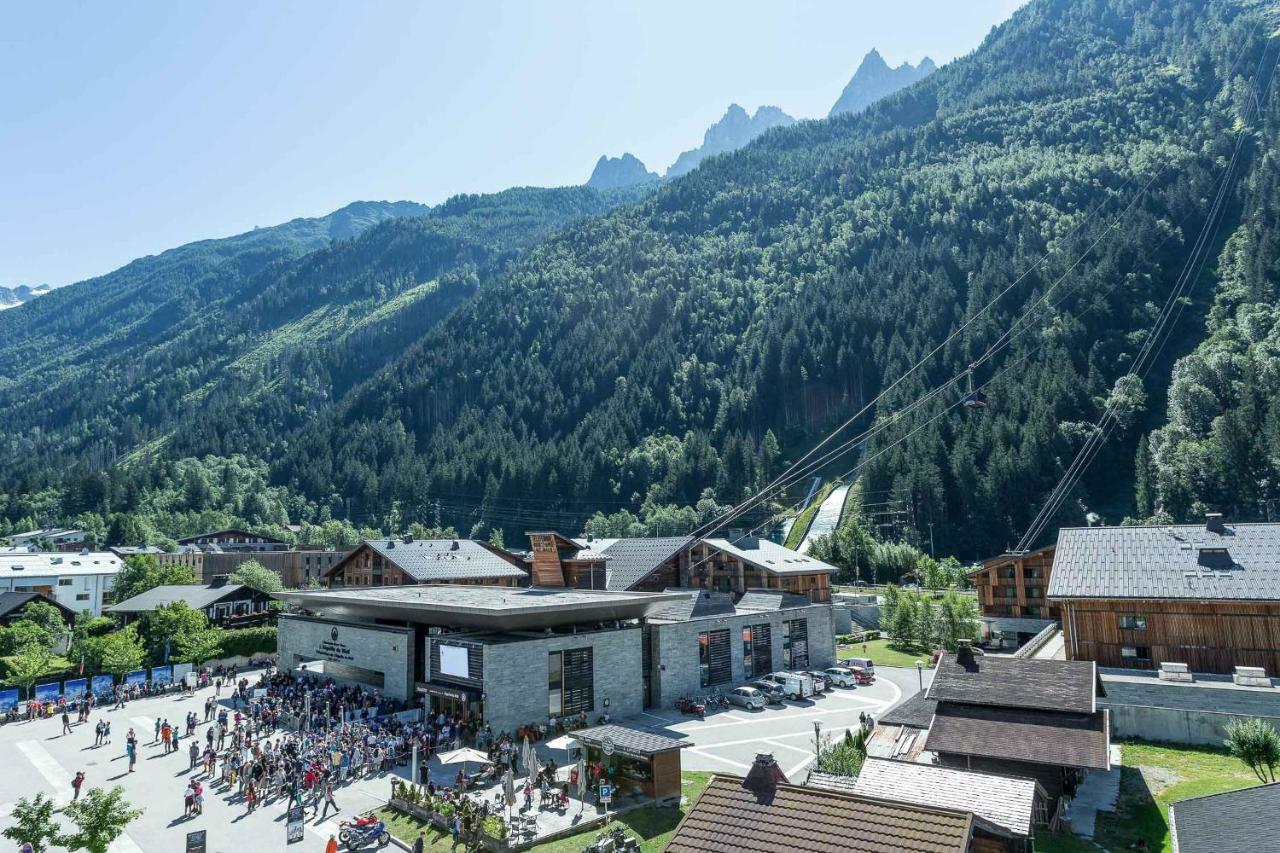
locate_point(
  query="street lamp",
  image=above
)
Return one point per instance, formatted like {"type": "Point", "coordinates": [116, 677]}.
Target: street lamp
{"type": "Point", "coordinates": [817, 738]}
{"type": "Point", "coordinates": [920, 673]}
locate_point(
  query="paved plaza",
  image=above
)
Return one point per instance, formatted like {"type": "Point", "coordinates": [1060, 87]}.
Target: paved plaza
{"type": "Point", "coordinates": [36, 757]}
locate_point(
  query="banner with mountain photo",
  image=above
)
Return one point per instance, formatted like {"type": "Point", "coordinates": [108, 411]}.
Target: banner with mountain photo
{"type": "Point", "coordinates": [75, 689]}
{"type": "Point", "coordinates": [137, 677]}
{"type": "Point", "coordinates": [8, 699]}
{"type": "Point", "coordinates": [161, 675]}
{"type": "Point", "coordinates": [103, 685]}
{"type": "Point", "coordinates": [48, 692]}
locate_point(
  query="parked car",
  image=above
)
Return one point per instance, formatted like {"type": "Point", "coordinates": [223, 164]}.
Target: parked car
{"type": "Point", "coordinates": [862, 675]}
{"type": "Point", "coordinates": [771, 691]}
{"type": "Point", "coordinates": [861, 663]}
{"type": "Point", "coordinates": [747, 697]}
{"type": "Point", "coordinates": [820, 677]}
{"type": "Point", "coordinates": [841, 676]}
{"type": "Point", "coordinates": [793, 686]}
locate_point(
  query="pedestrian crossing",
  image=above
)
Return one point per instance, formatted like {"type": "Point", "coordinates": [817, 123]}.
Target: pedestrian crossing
{"type": "Point", "coordinates": [59, 779]}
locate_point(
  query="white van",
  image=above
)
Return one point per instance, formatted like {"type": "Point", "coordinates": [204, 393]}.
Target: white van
{"type": "Point", "coordinates": [793, 685]}
{"type": "Point", "coordinates": [860, 663]}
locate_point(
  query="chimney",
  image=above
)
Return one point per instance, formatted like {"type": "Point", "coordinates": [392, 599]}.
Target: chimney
{"type": "Point", "coordinates": [408, 540]}
{"type": "Point", "coordinates": [455, 546]}
{"type": "Point", "coordinates": [1213, 523]}
{"type": "Point", "coordinates": [964, 652]}
{"type": "Point", "coordinates": [764, 778]}
{"type": "Point", "coordinates": [219, 581]}
{"type": "Point", "coordinates": [391, 543]}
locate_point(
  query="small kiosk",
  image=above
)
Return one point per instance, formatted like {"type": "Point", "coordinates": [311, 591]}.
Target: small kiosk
{"type": "Point", "coordinates": [638, 764]}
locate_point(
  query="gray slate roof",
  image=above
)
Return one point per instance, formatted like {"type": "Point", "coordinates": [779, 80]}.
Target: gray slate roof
{"type": "Point", "coordinates": [771, 599]}
{"type": "Point", "coordinates": [1007, 682]}
{"type": "Point", "coordinates": [636, 741]}
{"type": "Point", "coordinates": [697, 603]}
{"type": "Point", "coordinates": [629, 560]}
{"type": "Point", "coordinates": [439, 560]}
{"type": "Point", "coordinates": [1244, 821]}
{"type": "Point", "coordinates": [916, 712]}
{"type": "Point", "coordinates": [1021, 734]}
{"type": "Point", "coordinates": [770, 556]}
{"type": "Point", "coordinates": [1005, 801]}
{"type": "Point", "coordinates": [1178, 561]}
{"type": "Point", "coordinates": [197, 597]}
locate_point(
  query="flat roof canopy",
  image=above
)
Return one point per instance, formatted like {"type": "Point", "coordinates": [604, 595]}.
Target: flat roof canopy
{"type": "Point", "coordinates": [488, 607]}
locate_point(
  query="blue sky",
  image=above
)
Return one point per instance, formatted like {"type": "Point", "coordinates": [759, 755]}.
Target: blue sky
{"type": "Point", "coordinates": [127, 127]}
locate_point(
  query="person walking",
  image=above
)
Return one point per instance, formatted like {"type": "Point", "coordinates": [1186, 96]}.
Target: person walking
{"type": "Point", "coordinates": [131, 750]}
{"type": "Point", "coordinates": [328, 800]}
{"type": "Point", "coordinates": [75, 785]}
{"type": "Point", "coordinates": [193, 752]}
{"type": "Point", "coordinates": [66, 722]}
{"type": "Point", "coordinates": [156, 739]}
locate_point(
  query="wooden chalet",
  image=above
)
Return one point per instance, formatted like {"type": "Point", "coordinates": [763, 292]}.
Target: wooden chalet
{"type": "Point", "coordinates": [1024, 717]}
{"type": "Point", "coordinates": [1016, 585]}
{"type": "Point", "coordinates": [1207, 596]}
{"type": "Point", "coordinates": [398, 562]}
{"type": "Point", "coordinates": [764, 813]}
{"type": "Point", "coordinates": [652, 565]}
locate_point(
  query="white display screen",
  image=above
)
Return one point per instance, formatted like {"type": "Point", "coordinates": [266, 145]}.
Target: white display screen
{"type": "Point", "coordinates": [453, 661]}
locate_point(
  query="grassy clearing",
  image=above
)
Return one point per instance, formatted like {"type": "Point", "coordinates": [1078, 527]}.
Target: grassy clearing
{"type": "Point", "coordinates": [882, 654]}
{"type": "Point", "coordinates": [1151, 777]}
{"type": "Point", "coordinates": [805, 519]}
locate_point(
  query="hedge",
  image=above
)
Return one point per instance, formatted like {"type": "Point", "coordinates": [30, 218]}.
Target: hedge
{"type": "Point", "coordinates": [248, 642]}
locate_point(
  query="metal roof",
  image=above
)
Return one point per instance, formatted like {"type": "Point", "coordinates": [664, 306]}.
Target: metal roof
{"type": "Point", "coordinates": [1186, 561]}
{"type": "Point", "coordinates": [756, 598]}
{"type": "Point", "coordinates": [1243, 821]}
{"type": "Point", "coordinates": [53, 565]}
{"type": "Point", "coordinates": [1005, 801]}
{"type": "Point", "coordinates": [494, 608]}
{"type": "Point", "coordinates": [770, 556]}
{"type": "Point", "coordinates": [196, 596]}
{"type": "Point", "coordinates": [443, 559]}
{"type": "Point", "coordinates": [697, 603]}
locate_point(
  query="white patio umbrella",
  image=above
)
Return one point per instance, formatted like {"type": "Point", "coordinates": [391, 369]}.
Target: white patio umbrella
{"type": "Point", "coordinates": [563, 742]}
{"type": "Point", "coordinates": [508, 789]}
{"type": "Point", "coordinates": [464, 756]}
{"type": "Point", "coordinates": [582, 782]}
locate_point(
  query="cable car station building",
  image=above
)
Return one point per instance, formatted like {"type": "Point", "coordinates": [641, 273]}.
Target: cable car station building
{"type": "Point", "coordinates": [513, 656]}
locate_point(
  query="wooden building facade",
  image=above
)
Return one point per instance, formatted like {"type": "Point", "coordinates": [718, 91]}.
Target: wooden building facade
{"type": "Point", "coordinates": [1208, 636]}
{"type": "Point", "coordinates": [1016, 585]}
{"type": "Point", "coordinates": [399, 562]}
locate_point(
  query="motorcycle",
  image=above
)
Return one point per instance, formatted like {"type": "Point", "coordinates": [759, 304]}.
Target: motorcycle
{"type": "Point", "coordinates": [363, 831]}
{"type": "Point", "coordinates": [614, 840]}
{"type": "Point", "coordinates": [685, 705]}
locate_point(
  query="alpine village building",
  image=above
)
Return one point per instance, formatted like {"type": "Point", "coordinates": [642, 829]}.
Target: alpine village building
{"type": "Point", "coordinates": [1204, 595]}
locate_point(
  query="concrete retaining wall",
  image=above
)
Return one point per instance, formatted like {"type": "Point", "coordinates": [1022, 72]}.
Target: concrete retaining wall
{"type": "Point", "coordinates": [1172, 725]}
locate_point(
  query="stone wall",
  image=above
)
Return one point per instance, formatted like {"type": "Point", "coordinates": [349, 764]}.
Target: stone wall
{"type": "Point", "coordinates": [675, 649]}
{"type": "Point", "coordinates": [515, 676]}
{"type": "Point", "coordinates": [378, 648]}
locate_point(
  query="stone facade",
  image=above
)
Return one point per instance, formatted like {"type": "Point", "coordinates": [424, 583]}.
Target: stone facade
{"type": "Point", "coordinates": [674, 649]}
{"type": "Point", "coordinates": [515, 676]}
{"type": "Point", "coordinates": [376, 648]}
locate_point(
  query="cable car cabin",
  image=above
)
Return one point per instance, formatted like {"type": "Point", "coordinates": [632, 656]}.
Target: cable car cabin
{"type": "Point", "coordinates": [974, 400]}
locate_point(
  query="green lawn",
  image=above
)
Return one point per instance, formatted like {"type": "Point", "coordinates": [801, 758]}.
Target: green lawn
{"type": "Point", "coordinates": [653, 826]}
{"type": "Point", "coordinates": [882, 655]}
{"type": "Point", "coordinates": [1152, 777]}
{"type": "Point", "coordinates": [406, 828]}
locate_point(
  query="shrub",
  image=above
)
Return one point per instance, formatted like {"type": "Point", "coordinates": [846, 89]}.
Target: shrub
{"type": "Point", "coordinates": [248, 642]}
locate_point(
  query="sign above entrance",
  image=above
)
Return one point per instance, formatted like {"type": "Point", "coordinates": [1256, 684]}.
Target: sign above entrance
{"type": "Point", "coordinates": [606, 746]}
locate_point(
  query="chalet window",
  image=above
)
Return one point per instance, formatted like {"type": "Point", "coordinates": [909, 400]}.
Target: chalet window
{"type": "Point", "coordinates": [1011, 592]}
{"type": "Point", "coordinates": [82, 596]}
{"type": "Point", "coordinates": [1033, 592]}
{"type": "Point", "coordinates": [64, 581]}
{"type": "Point", "coordinates": [1135, 652]}
{"type": "Point", "coordinates": [1133, 623]}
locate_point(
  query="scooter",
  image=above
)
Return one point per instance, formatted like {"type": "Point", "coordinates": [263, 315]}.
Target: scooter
{"type": "Point", "coordinates": [688, 706]}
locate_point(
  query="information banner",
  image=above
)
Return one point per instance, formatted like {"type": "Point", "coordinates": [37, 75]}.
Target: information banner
{"type": "Point", "coordinates": [138, 676]}
{"type": "Point", "coordinates": [161, 675]}
{"type": "Point", "coordinates": [181, 671]}
{"type": "Point", "coordinates": [196, 841]}
{"type": "Point", "coordinates": [74, 690]}
{"type": "Point", "coordinates": [8, 699]}
{"type": "Point", "coordinates": [103, 685]}
{"type": "Point", "coordinates": [48, 692]}
{"type": "Point", "coordinates": [295, 828]}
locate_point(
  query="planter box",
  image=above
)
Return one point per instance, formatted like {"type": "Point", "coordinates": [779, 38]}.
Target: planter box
{"type": "Point", "coordinates": [439, 821]}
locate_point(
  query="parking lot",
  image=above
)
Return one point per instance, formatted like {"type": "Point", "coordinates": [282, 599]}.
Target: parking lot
{"type": "Point", "coordinates": [728, 739]}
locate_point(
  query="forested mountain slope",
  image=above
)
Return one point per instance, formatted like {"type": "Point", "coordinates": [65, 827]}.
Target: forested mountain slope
{"type": "Point", "coordinates": [222, 344]}
{"type": "Point", "coordinates": [776, 289]}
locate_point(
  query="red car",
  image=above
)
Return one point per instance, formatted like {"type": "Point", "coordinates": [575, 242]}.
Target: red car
{"type": "Point", "coordinates": [862, 675]}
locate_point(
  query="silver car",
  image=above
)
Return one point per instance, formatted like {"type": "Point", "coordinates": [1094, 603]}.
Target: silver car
{"type": "Point", "coordinates": [747, 697]}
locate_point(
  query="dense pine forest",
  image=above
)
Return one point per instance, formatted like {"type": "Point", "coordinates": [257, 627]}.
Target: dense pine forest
{"type": "Point", "coordinates": [539, 354]}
